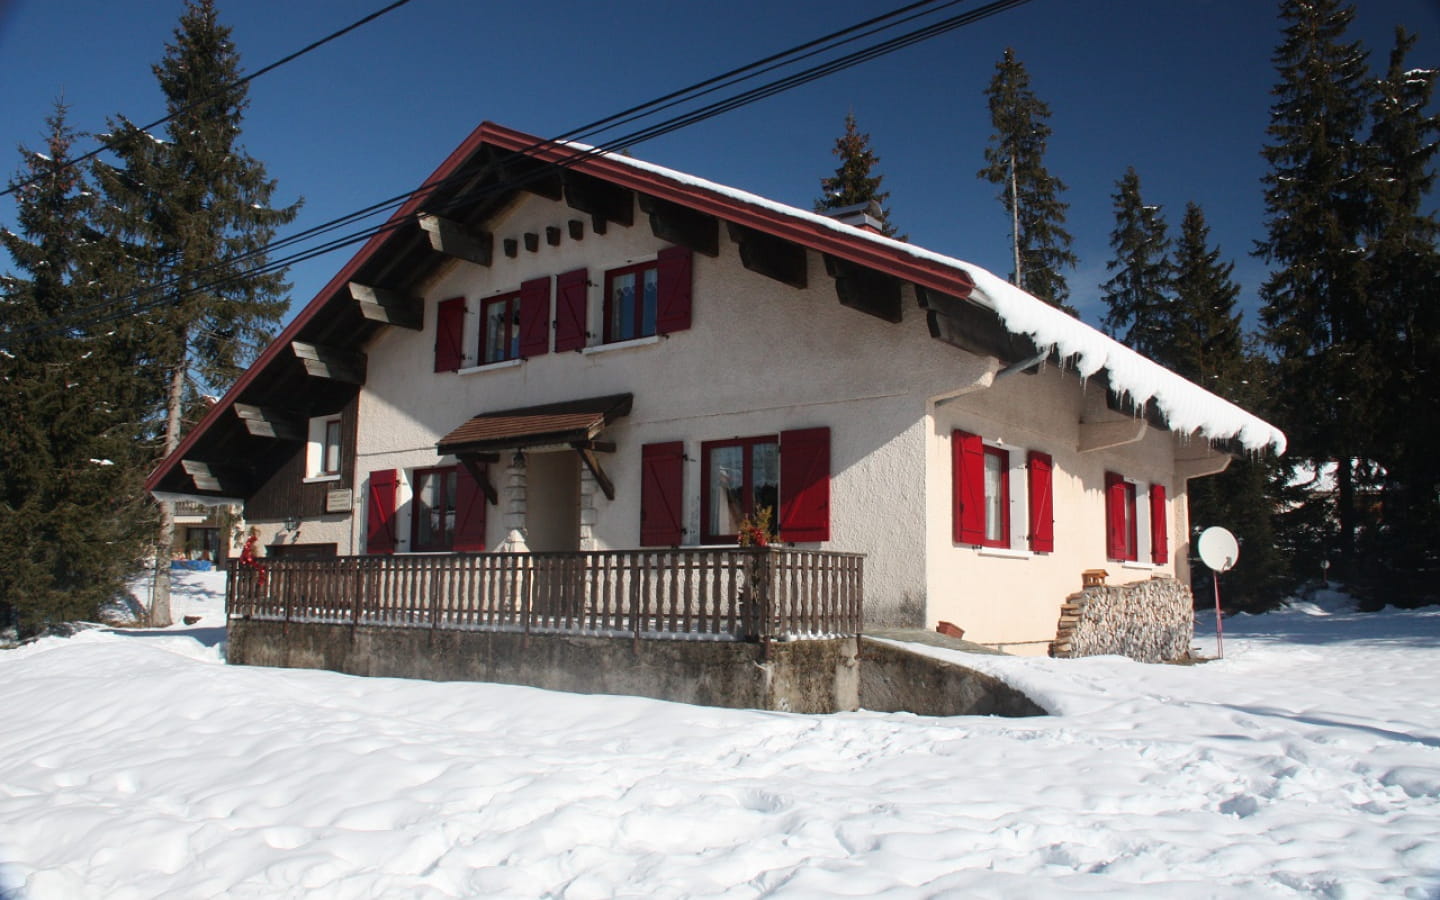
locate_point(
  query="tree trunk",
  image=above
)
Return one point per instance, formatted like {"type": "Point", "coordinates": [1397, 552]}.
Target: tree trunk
{"type": "Point", "coordinates": [160, 616]}
{"type": "Point", "coordinates": [1015, 222]}
{"type": "Point", "coordinates": [1345, 498]}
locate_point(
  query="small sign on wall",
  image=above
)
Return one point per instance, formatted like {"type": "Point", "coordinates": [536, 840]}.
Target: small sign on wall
{"type": "Point", "coordinates": [339, 501]}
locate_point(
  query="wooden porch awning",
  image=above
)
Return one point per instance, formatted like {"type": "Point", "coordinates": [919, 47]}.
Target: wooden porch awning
{"type": "Point", "coordinates": [572, 423]}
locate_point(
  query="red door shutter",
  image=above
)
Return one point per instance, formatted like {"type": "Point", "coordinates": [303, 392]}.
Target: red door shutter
{"type": "Point", "coordinates": [1042, 504]}
{"type": "Point", "coordinates": [469, 512]}
{"type": "Point", "coordinates": [570, 308]}
{"type": "Point", "coordinates": [662, 486]}
{"type": "Point", "coordinates": [968, 468]}
{"type": "Point", "coordinates": [805, 485]}
{"type": "Point", "coordinates": [672, 307]}
{"type": "Point", "coordinates": [1115, 527]}
{"type": "Point", "coordinates": [449, 334]}
{"type": "Point", "coordinates": [535, 317]}
{"type": "Point", "coordinates": [1159, 526]}
{"type": "Point", "coordinates": [380, 512]}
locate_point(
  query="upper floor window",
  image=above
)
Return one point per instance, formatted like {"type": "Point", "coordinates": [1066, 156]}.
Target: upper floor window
{"type": "Point", "coordinates": [330, 450]}
{"type": "Point", "coordinates": [500, 328]}
{"type": "Point", "coordinates": [323, 447]}
{"type": "Point", "coordinates": [432, 516]}
{"type": "Point", "coordinates": [632, 296]}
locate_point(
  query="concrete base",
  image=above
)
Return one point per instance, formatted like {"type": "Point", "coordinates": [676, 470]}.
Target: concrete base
{"type": "Point", "coordinates": [892, 679]}
{"type": "Point", "coordinates": [800, 676]}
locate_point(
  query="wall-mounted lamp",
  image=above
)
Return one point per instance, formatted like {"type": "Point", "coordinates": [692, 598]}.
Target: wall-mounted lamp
{"type": "Point", "coordinates": [292, 523]}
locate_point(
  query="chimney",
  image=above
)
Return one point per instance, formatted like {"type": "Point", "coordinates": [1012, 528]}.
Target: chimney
{"type": "Point", "coordinates": [864, 216]}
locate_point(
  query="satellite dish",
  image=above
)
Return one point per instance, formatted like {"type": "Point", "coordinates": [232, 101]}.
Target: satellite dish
{"type": "Point", "coordinates": [1218, 549]}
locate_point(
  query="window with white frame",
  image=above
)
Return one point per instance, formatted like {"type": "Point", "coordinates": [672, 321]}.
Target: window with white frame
{"type": "Point", "coordinates": [1001, 495]}
{"type": "Point", "coordinates": [324, 448]}
{"type": "Point", "coordinates": [1136, 521]}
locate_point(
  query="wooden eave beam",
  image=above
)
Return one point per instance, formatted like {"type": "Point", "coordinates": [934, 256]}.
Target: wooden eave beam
{"type": "Point", "coordinates": [770, 256]}
{"type": "Point", "coordinates": [865, 289]}
{"type": "Point", "coordinates": [472, 463]}
{"type": "Point", "coordinates": [682, 225]}
{"type": "Point", "coordinates": [268, 422]}
{"type": "Point", "coordinates": [971, 327]}
{"type": "Point", "coordinates": [1198, 459]}
{"type": "Point", "coordinates": [603, 201]}
{"type": "Point", "coordinates": [460, 241]}
{"type": "Point", "coordinates": [216, 479]}
{"type": "Point", "coordinates": [534, 176]}
{"type": "Point", "coordinates": [330, 363]}
{"type": "Point", "coordinates": [389, 307]}
{"type": "Point", "coordinates": [587, 450]}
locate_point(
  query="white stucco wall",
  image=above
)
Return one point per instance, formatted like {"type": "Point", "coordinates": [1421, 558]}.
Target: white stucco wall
{"type": "Point", "coordinates": [762, 358]}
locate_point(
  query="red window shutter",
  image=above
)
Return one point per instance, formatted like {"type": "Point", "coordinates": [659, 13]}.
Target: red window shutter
{"type": "Point", "coordinates": [672, 307]}
{"type": "Point", "coordinates": [1159, 526]}
{"type": "Point", "coordinates": [535, 317]}
{"type": "Point", "coordinates": [1115, 525]}
{"type": "Point", "coordinates": [968, 473]}
{"type": "Point", "coordinates": [449, 334]}
{"type": "Point", "coordinates": [1042, 503]}
{"type": "Point", "coordinates": [380, 512]}
{"type": "Point", "coordinates": [570, 307]}
{"type": "Point", "coordinates": [805, 485]}
{"type": "Point", "coordinates": [662, 486]}
{"type": "Point", "coordinates": [469, 512]}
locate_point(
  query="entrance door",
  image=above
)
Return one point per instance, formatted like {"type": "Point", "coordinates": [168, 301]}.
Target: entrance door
{"type": "Point", "coordinates": [552, 501]}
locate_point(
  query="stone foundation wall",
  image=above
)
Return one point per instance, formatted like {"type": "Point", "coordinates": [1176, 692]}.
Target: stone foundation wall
{"type": "Point", "coordinates": [1149, 621]}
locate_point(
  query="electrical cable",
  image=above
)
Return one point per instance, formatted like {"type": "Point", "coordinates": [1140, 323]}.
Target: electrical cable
{"type": "Point", "coordinates": [314, 45]}
{"type": "Point", "coordinates": [675, 123]}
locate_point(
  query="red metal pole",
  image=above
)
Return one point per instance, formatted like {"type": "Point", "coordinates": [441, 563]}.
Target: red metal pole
{"type": "Point", "coordinates": [1219, 626]}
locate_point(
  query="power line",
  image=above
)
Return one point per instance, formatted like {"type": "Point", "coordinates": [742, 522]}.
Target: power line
{"type": "Point", "coordinates": [223, 91]}
{"type": "Point", "coordinates": [849, 34]}
{"type": "Point", "coordinates": [665, 127]}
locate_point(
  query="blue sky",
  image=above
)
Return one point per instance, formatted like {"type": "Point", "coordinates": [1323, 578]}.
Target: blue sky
{"type": "Point", "coordinates": [1177, 88]}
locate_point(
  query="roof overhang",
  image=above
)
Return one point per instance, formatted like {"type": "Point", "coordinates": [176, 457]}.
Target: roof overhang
{"type": "Point", "coordinates": [567, 424]}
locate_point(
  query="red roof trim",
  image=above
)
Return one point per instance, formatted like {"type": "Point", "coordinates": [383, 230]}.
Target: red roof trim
{"type": "Point", "coordinates": [816, 236]}
{"type": "Point", "coordinates": [341, 281]}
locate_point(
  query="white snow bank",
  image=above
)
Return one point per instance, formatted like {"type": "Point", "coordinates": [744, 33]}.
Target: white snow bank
{"type": "Point", "coordinates": [1306, 763]}
{"type": "Point", "coordinates": [1189, 408]}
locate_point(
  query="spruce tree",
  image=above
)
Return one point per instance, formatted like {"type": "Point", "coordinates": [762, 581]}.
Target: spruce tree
{"type": "Point", "coordinates": [1318, 315]}
{"type": "Point", "coordinates": [854, 182]}
{"type": "Point", "coordinates": [190, 216]}
{"type": "Point", "coordinates": [73, 521]}
{"type": "Point", "coordinates": [1030, 194]}
{"type": "Point", "coordinates": [1403, 252]}
{"type": "Point", "coordinates": [1137, 297]}
{"type": "Point", "coordinates": [1207, 346]}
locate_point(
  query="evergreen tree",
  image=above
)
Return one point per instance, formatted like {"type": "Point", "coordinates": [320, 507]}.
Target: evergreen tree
{"type": "Point", "coordinates": [1030, 194]}
{"type": "Point", "coordinates": [73, 521]}
{"type": "Point", "coordinates": [1318, 315]}
{"type": "Point", "coordinates": [1138, 295]}
{"type": "Point", "coordinates": [190, 217]}
{"type": "Point", "coordinates": [1207, 346]}
{"type": "Point", "coordinates": [853, 182]}
{"type": "Point", "coordinates": [1403, 244]}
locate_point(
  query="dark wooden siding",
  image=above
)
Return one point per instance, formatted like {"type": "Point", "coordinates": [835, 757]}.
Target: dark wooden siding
{"type": "Point", "coordinates": [286, 493]}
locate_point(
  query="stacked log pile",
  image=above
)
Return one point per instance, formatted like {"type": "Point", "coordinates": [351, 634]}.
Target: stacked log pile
{"type": "Point", "coordinates": [1148, 621]}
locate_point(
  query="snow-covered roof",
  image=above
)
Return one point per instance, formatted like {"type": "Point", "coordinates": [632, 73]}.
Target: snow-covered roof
{"type": "Point", "coordinates": [1187, 407]}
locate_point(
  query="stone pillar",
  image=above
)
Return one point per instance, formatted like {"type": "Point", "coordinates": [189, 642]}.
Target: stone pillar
{"type": "Point", "coordinates": [515, 507]}
{"type": "Point", "coordinates": [588, 513]}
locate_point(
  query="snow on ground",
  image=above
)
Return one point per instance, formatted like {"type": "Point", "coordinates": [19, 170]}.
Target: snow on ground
{"type": "Point", "coordinates": [1306, 763]}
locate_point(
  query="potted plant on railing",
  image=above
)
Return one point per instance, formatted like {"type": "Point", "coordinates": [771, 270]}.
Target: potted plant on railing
{"type": "Point", "coordinates": [755, 533]}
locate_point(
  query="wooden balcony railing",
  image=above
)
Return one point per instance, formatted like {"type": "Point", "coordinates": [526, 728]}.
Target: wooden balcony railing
{"type": "Point", "coordinates": [716, 594]}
